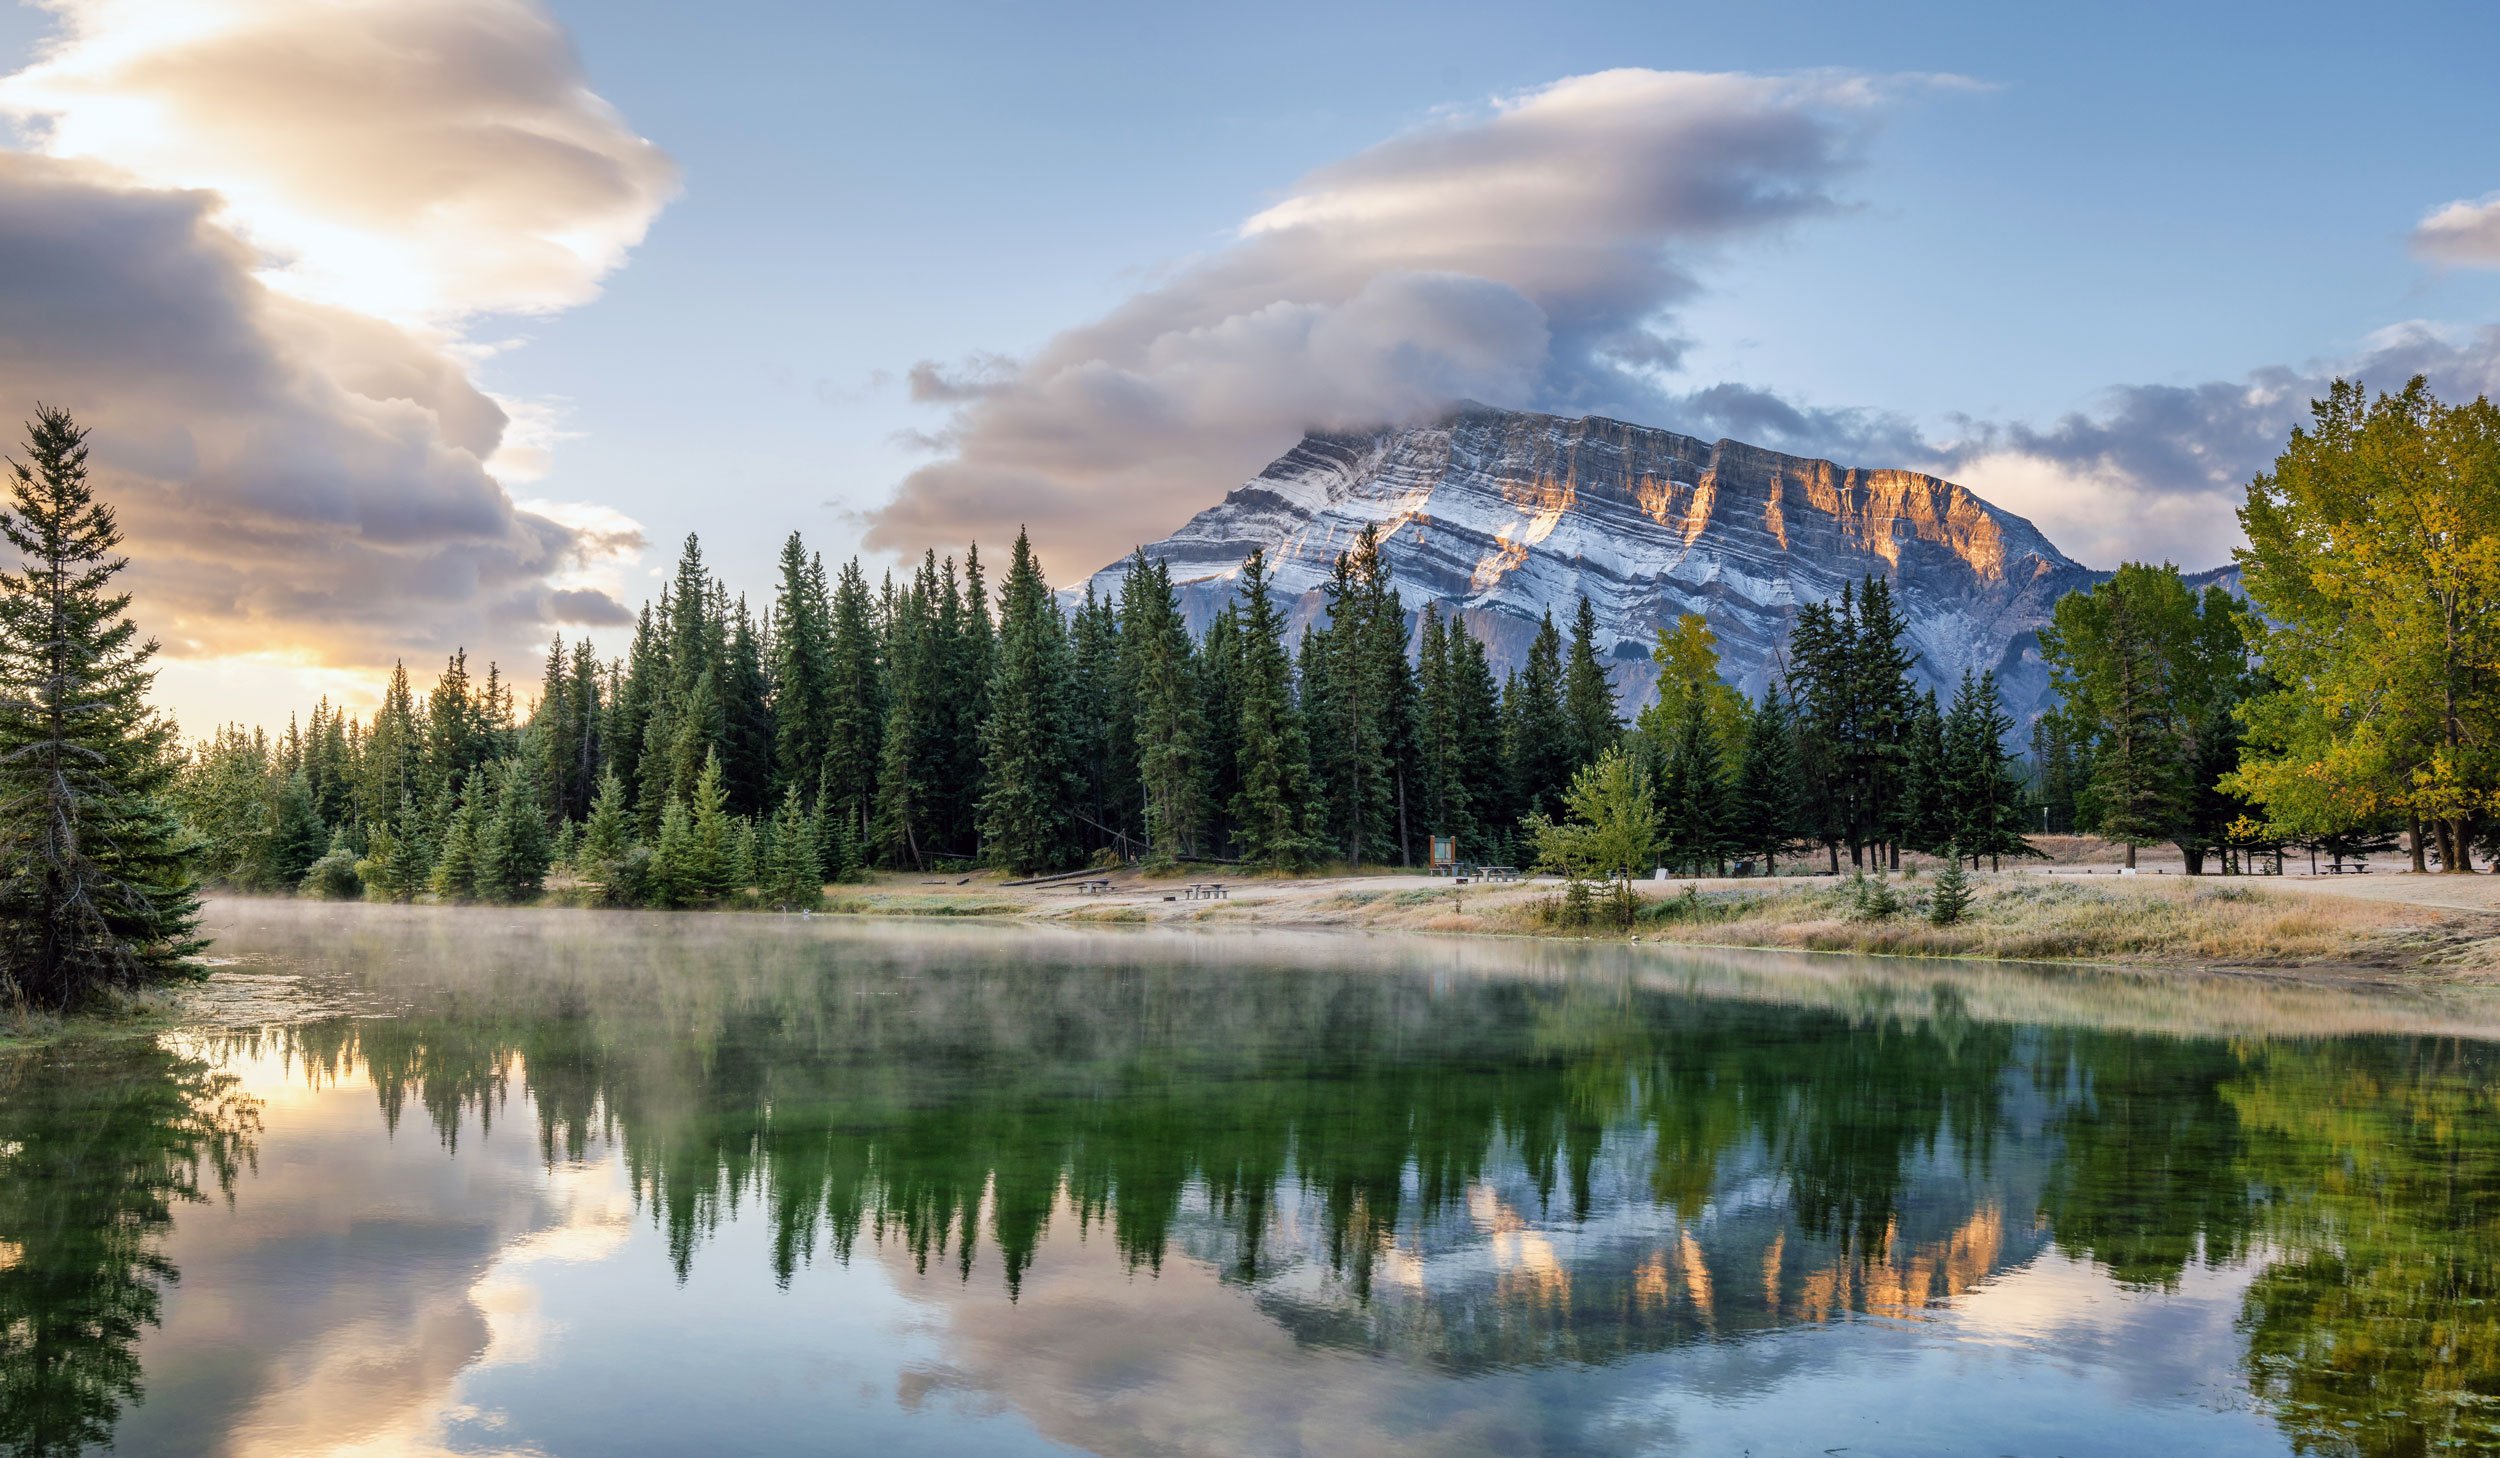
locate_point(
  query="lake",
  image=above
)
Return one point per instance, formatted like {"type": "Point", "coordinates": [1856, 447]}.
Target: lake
{"type": "Point", "coordinates": [415, 1181]}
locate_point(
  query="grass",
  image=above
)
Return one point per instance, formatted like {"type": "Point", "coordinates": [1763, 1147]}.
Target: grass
{"type": "Point", "coordinates": [110, 1014]}
{"type": "Point", "coordinates": [2171, 922]}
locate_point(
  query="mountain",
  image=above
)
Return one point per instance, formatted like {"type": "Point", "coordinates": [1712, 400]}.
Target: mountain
{"type": "Point", "coordinates": [1503, 515]}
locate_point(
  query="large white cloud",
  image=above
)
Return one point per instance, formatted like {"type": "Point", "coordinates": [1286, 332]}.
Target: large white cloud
{"type": "Point", "coordinates": [1528, 252]}
{"type": "Point", "coordinates": [242, 251]}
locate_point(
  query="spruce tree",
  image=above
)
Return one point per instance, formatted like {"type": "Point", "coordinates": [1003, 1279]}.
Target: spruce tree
{"type": "Point", "coordinates": [1161, 675]}
{"type": "Point", "coordinates": [98, 882]}
{"type": "Point", "coordinates": [607, 837]}
{"type": "Point", "coordinates": [711, 870]}
{"type": "Point", "coordinates": [802, 671]}
{"type": "Point", "coordinates": [1693, 800]}
{"type": "Point", "coordinates": [855, 718]}
{"type": "Point", "coordinates": [1025, 809]}
{"type": "Point", "coordinates": [1536, 734]}
{"type": "Point", "coordinates": [1588, 696]}
{"type": "Point", "coordinates": [455, 875]}
{"type": "Point", "coordinates": [1270, 806]}
{"type": "Point", "coordinates": [1767, 812]}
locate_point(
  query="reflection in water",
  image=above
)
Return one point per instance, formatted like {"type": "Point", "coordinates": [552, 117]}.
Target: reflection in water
{"type": "Point", "coordinates": [1477, 1176]}
{"type": "Point", "coordinates": [97, 1145]}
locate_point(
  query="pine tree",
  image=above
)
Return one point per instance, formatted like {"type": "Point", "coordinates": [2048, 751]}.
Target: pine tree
{"type": "Point", "coordinates": [1768, 816]}
{"type": "Point", "coordinates": [1275, 763]}
{"type": "Point", "coordinates": [1360, 706]}
{"type": "Point", "coordinates": [802, 671]}
{"type": "Point", "coordinates": [1476, 711]}
{"type": "Point", "coordinates": [98, 881]}
{"type": "Point", "coordinates": [856, 716]}
{"type": "Point", "coordinates": [1588, 696]}
{"type": "Point", "coordinates": [673, 878]}
{"type": "Point", "coordinates": [1161, 678]}
{"type": "Point", "coordinates": [512, 848]}
{"type": "Point", "coordinates": [711, 860]}
{"type": "Point", "coordinates": [1987, 813]}
{"type": "Point", "coordinates": [1025, 814]}
{"type": "Point", "coordinates": [1536, 735]}
{"type": "Point", "coordinates": [794, 873]}
{"type": "Point", "coordinates": [1950, 901]}
{"type": "Point", "coordinates": [456, 864]}
{"type": "Point", "coordinates": [607, 839]}
{"type": "Point", "coordinates": [1693, 800]}
{"type": "Point", "coordinates": [296, 835]}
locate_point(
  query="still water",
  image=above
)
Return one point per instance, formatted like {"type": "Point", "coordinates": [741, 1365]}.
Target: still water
{"type": "Point", "coordinates": [417, 1182]}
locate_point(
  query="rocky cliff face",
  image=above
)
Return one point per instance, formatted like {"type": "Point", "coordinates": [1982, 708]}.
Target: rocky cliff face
{"type": "Point", "coordinates": [1501, 516]}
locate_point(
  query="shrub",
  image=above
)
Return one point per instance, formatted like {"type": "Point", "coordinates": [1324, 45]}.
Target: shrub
{"type": "Point", "coordinates": [333, 877]}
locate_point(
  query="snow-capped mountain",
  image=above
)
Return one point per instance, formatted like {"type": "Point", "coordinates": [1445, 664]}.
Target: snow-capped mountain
{"type": "Point", "coordinates": [1502, 515]}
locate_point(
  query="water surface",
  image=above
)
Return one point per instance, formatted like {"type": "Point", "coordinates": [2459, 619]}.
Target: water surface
{"type": "Point", "coordinates": [421, 1181]}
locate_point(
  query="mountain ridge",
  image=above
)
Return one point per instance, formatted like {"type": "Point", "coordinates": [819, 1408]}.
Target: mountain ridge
{"type": "Point", "coordinates": [1503, 515]}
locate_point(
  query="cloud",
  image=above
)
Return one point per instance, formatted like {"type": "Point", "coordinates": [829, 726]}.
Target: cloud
{"type": "Point", "coordinates": [2158, 472]}
{"type": "Point", "coordinates": [243, 256]}
{"type": "Point", "coordinates": [2466, 233]}
{"type": "Point", "coordinates": [1527, 253]}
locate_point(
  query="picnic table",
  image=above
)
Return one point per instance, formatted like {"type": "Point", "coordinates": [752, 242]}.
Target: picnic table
{"type": "Point", "coordinates": [1205, 891]}
{"type": "Point", "coordinates": [1501, 873]}
{"type": "Point", "coordinates": [1094, 887]}
{"type": "Point", "coordinates": [2357, 868]}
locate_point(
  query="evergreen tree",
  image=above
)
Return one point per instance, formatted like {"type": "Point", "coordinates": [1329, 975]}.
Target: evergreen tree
{"type": "Point", "coordinates": [512, 845]}
{"type": "Point", "coordinates": [711, 869]}
{"type": "Point", "coordinates": [1025, 812]}
{"type": "Point", "coordinates": [856, 716]}
{"type": "Point", "coordinates": [98, 881]}
{"type": "Point", "coordinates": [1476, 714]}
{"type": "Point", "coordinates": [1588, 696]}
{"type": "Point", "coordinates": [455, 875]}
{"type": "Point", "coordinates": [1950, 901]}
{"type": "Point", "coordinates": [802, 671]}
{"type": "Point", "coordinates": [1275, 762]}
{"type": "Point", "coordinates": [296, 835]}
{"type": "Point", "coordinates": [1360, 707]}
{"type": "Point", "coordinates": [747, 749]}
{"type": "Point", "coordinates": [1161, 678]}
{"type": "Point", "coordinates": [1536, 734]}
{"type": "Point", "coordinates": [794, 872]}
{"type": "Point", "coordinates": [1767, 816]}
{"type": "Point", "coordinates": [607, 838]}
{"type": "Point", "coordinates": [1984, 810]}
{"type": "Point", "coordinates": [673, 877]}
{"type": "Point", "coordinates": [1696, 819]}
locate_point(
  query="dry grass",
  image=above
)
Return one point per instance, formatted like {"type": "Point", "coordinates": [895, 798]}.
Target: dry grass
{"type": "Point", "coordinates": [2019, 919]}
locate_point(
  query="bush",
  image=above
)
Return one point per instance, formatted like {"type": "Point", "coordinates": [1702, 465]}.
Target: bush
{"type": "Point", "coordinates": [333, 877]}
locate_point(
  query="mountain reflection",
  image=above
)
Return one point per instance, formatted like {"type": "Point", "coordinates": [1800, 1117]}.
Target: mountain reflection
{"type": "Point", "coordinates": [1467, 1173]}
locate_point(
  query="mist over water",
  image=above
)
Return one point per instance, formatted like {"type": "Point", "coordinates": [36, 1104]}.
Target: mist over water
{"type": "Point", "coordinates": [417, 1181]}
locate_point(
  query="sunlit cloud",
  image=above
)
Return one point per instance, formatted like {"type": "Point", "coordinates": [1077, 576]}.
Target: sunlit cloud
{"type": "Point", "coordinates": [245, 247]}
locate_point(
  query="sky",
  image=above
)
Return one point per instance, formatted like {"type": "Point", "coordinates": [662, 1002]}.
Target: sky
{"type": "Point", "coordinates": [404, 325]}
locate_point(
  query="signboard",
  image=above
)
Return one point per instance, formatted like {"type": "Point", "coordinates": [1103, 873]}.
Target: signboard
{"type": "Point", "coordinates": [1444, 852]}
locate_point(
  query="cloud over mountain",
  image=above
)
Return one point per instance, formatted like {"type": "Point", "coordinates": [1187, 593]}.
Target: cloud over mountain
{"type": "Point", "coordinates": [1530, 252]}
{"type": "Point", "coordinates": [243, 251]}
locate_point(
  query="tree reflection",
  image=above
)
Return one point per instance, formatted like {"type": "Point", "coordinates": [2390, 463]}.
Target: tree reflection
{"type": "Point", "coordinates": [98, 1143]}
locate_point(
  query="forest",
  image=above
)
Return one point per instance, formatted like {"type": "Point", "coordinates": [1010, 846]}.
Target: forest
{"type": "Point", "coordinates": [736, 755]}
{"type": "Point", "coordinates": [925, 723]}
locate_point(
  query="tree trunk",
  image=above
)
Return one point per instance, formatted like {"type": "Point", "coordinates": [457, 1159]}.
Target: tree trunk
{"type": "Point", "coordinates": [2194, 855]}
{"type": "Point", "coordinates": [2413, 831]}
{"type": "Point", "coordinates": [2130, 855]}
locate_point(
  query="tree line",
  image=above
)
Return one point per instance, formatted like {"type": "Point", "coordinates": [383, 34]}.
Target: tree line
{"type": "Point", "coordinates": [923, 723]}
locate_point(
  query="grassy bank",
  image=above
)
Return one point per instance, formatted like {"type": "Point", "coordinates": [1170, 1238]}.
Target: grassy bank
{"type": "Point", "coordinates": [2170, 922]}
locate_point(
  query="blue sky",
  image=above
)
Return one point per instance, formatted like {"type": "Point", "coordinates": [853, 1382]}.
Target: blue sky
{"type": "Point", "coordinates": [2088, 259]}
{"type": "Point", "coordinates": [2150, 193]}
